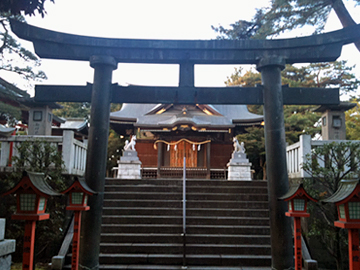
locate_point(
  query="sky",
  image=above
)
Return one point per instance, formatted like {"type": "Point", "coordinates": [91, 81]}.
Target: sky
{"type": "Point", "coordinates": [151, 19]}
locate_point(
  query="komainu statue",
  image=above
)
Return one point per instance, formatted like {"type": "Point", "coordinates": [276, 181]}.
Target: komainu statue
{"type": "Point", "coordinates": [130, 146]}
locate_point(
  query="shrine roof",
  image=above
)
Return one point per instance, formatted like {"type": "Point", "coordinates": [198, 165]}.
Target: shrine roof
{"type": "Point", "coordinates": [344, 191]}
{"type": "Point", "coordinates": [160, 115]}
{"type": "Point", "coordinates": [6, 131]}
{"type": "Point", "coordinates": [75, 124]}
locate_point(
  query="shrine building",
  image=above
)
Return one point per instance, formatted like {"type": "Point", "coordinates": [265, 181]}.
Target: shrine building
{"type": "Point", "coordinates": [165, 133]}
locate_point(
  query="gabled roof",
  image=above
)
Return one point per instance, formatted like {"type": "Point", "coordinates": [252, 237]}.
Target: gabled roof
{"type": "Point", "coordinates": [79, 184]}
{"type": "Point", "coordinates": [294, 191]}
{"type": "Point", "coordinates": [75, 124]}
{"type": "Point", "coordinates": [168, 115]}
{"type": "Point", "coordinates": [35, 181]}
{"type": "Point", "coordinates": [344, 192]}
{"type": "Point", "coordinates": [6, 131]}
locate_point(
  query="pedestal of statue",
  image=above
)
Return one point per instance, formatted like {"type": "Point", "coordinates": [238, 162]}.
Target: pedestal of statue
{"type": "Point", "coordinates": [7, 247]}
{"type": "Point", "coordinates": [129, 165]}
{"type": "Point", "coordinates": [239, 167]}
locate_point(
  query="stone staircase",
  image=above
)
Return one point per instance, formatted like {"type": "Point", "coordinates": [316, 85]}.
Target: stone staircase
{"type": "Point", "coordinates": [227, 224]}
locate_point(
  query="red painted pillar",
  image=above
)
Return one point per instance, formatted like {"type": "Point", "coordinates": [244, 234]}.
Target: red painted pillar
{"type": "Point", "coordinates": [297, 243]}
{"type": "Point", "coordinates": [354, 254]}
{"type": "Point", "coordinates": [29, 241]}
{"type": "Point", "coordinates": [76, 241]}
{"type": "Point", "coordinates": [11, 149]}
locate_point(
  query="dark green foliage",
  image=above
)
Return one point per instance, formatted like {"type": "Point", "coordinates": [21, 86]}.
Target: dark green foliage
{"type": "Point", "coordinates": [73, 110]}
{"type": "Point", "coordinates": [41, 156]}
{"type": "Point", "coordinates": [327, 166]}
{"type": "Point", "coordinates": [27, 7]}
{"type": "Point", "coordinates": [300, 120]}
{"type": "Point", "coordinates": [242, 29]}
{"type": "Point", "coordinates": [9, 114]}
{"type": "Point", "coordinates": [352, 121]}
{"type": "Point", "coordinates": [286, 15]}
{"type": "Point", "coordinates": [254, 141]}
{"type": "Point", "coordinates": [37, 156]}
{"type": "Point", "coordinates": [115, 146]}
{"type": "Point", "coordinates": [15, 58]}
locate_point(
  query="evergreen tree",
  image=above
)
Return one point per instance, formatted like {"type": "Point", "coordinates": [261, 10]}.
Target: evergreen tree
{"type": "Point", "coordinates": [27, 7]}
{"type": "Point", "coordinates": [286, 15]}
{"type": "Point", "coordinates": [298, 119]}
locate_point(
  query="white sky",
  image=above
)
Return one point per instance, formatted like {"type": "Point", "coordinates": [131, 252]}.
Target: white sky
{"type": "Point", "coordinates": [150, 19]}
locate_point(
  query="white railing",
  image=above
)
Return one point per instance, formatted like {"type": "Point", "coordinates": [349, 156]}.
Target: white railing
{"type": "Point", "coordinates": [297, 152]}
{"type": "Point", "coordinates": [73, 151]}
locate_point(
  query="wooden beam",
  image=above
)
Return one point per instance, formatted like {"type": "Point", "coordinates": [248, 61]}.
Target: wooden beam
{"type": "Point", "coordinates": [315, 48]}
{"type": "Point", "coordinates": [187, 95]}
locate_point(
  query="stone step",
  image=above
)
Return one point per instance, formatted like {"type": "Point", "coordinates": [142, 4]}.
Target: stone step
{"type": "Point", "coordinates": [191, 229]}
{"type": "Point", "coordinates": [122, 219]}
{"type": "Point", "coordinates": [189, 196]}
{"type": "Point", "coordinates": [142, 228]}
{"type": "Point", "coordinates": [189, 211]}
{"type": "Point", "coordinates": [190, 203]}
{"type": "Point", "coordinates": [164, 238]}
{"type": "Point", "coordinates": [174, 267]}
{"type": "Point", "coordinates": [189, 189]}
{"type": "Point", "coordinates": [227, 224]}
{"type": "Point", "coordinates": [189, 182]}
{"type": "Point", "coordinates": [156, 248]}
{"type": "Point", "coordinates": [194, 259]}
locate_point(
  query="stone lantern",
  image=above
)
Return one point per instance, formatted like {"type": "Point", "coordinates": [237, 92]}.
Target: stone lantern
{"type": "Point", "coordinates": [297, 199]}
{"type": "Point", "coordinates": [31, 194]}
{"type": "Point", "coordinates": [78, 196]}
{"type": "Point", "coordinates": [347, 201]}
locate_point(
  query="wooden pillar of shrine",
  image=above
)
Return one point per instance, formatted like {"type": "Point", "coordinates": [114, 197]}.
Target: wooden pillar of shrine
{"type": "Point", "coordinates": [208, 159]}
{"type": "Point", "coordinates": [159, 158]}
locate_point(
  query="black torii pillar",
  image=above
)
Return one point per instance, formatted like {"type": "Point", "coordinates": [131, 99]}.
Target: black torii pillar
{"type": "Point", "coordinates": [276, 169]}
{"type": "Point", "coordinates": [95, 160]}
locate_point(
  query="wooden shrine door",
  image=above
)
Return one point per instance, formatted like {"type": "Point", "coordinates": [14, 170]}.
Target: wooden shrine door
{"type": "Point", "coordinates": [177, 155]}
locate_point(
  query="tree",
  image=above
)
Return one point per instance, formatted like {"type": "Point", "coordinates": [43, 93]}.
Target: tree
{"type": "Point", "coordinates": [15, 58]}
{"type": "Point", "coordinates": [328, 165]}
{"type": "Point", "coordinates": [298, 119]}
{"type": "Point", "coordinates": [73, 110]}
{"type": "Point", "coordinates": [115, 145]}
{"type": "Point", "coordinates": [28, 7]}
{"type": "Point", "coordinates": [45, 157]}
{"type": "Point", "coordinates": [283, 15]}
{"type": "Point", "coordinates": [255, 149]}
{"type": "Point", "coordinates": [10, 107]}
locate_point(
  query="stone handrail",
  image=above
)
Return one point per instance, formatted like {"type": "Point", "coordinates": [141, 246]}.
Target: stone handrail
{"type": "Point", "coordinates": [73, 151]}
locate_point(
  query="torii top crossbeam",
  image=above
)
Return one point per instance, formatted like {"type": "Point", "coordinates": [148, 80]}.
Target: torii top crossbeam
{"type": "Point", "coordinates": [56, 45]}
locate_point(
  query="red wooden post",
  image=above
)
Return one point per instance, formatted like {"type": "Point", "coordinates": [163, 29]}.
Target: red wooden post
{"type": "Point", "coordinates": [76, 241]}
{"type": "Point", "coordinates": [78, 196]}
{"type": "Point", "coordinates": [354, 254]}
{"type": "Point", "coordinates": [29, 241]}
{"type": "Point", "coordinates": [297, 199]}
{"type": "Point", "coordinates": [11, 150]}
{"type": "Point", "coordinates": [297, 243]}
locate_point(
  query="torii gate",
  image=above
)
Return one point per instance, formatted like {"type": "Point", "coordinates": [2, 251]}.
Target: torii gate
{"type": "Point", "coordinates": [269, 56]}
